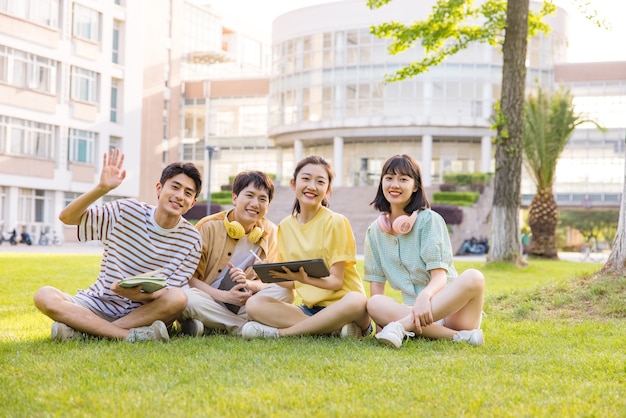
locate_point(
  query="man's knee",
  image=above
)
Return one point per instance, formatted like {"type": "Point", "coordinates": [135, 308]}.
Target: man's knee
{"type": "Point", "coordinates": [175, 298]}
{"type": "Point", "coordinates": [45, 298]}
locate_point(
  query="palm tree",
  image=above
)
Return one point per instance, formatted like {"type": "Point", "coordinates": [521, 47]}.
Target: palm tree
{"type": "Point", "coordinates": [549, 120]}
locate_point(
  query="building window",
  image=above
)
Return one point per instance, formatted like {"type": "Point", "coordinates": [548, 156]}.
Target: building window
{"type": "Point", "coordinates": [86, 23]}
{"type": "Point", "coordinates": [115, 93]}
{"type": "Point", "coordinates": [69, 197]}
{"type": "Point", "coordinates": [115, 57]}
{"type": "Point", "coordinates": [82, 145]}
{"type": "Point", "coordinates": [115, 142]}
{"type": "Point", "coordinates": [43, 12]}
{"type": "Point", "coordinates": [84, 84]}
{"type": "Point", "coordinates": [33, 208]}
{"type": "Point", "coordinates": [25, 70]}
{"type": "Point", "coordinates": [26, 138]}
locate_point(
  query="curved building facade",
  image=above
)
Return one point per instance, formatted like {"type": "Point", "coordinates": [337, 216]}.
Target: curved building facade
{"type": "Point", "coordinates": [327, 93]}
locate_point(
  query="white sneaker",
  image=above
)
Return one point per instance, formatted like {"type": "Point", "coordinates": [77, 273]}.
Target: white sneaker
{"type": "Point", "coordinates": [472, 337]}
{"type": "Point", "coordinates": [256, 330]}
{"type": "Point", "coordinates": [351, 330]}
{"type": "Point", "coordinates": [192, 327]}
{"type": "Point", "coordinates": [64, 333]}
{"type": "Point", "coordinates": [155, 332]}
{"type": "Point", "coordinates": [393, 334]}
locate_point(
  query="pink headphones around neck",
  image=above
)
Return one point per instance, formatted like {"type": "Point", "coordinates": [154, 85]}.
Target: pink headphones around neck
{"type": "Point", "coordinates": [401, 225]}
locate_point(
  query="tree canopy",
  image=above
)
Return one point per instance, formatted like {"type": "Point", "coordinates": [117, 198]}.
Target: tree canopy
{"type": "Point", "coordinates": [451, 27]}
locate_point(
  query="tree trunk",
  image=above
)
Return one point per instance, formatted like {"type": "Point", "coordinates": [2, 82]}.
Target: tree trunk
{"type": "Point", "coordinates": [505, 242]}
{"type": "Point", "coordinates": [543, 218]}
{"type": "Point", "coordinates": [616, 264]}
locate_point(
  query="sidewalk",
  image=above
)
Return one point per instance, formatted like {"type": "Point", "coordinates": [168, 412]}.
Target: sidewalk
{"type": "Point", "coordinates": [65, 248]}
{"type": "Point", "coordinates": [565, 256]}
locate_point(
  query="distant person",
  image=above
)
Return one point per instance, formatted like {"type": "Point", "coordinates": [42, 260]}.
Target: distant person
{"type": "Point", "coordinates": [232, 241]}
{"type": "Point", "coordinates": [137, 238]}
{"type": "Point", "coordinates": [408, 246]}
{"type": "Point", "coordinates": [333, 304]}
{"type": "Point", "coordinates": [525, 240]}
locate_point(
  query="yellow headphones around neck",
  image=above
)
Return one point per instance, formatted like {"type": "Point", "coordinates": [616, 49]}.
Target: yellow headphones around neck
{"type": "Point", "coordinates": [236, 231]}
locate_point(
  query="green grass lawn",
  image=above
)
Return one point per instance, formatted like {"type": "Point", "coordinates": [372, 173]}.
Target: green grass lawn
{"type": "Point", "coordinates": [555, 346]}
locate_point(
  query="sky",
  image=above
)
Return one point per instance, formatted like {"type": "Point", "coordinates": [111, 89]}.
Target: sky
{"type": "Point", "coordinates": [587, 42]}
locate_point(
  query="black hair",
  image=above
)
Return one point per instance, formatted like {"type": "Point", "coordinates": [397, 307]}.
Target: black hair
{"type": "Point", "coordinates": [259, 179]}
{"type": "Point", "coordinates": [188, 169]}
{"type": "Point", "coordinates": [405, 165]}
{"type": "Point", "coordinates": [315, 160]}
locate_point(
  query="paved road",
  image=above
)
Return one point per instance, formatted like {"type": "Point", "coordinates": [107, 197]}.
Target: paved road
{"type": "Point", "coordinates": [65, 248]}
{"type": "Point", "coordinates": [96, 248]}
{"type": "Point", "coordinates": [568, 256]}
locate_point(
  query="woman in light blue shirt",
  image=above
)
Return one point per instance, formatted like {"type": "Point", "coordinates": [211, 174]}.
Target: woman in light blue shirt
{"type": "Point", "coordinates": [408, 246]}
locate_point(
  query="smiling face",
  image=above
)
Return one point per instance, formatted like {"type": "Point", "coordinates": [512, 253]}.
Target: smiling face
{"type": "Point", "coordinates": [251, 205]}
{"type": "Point", "coordinates": [312, 185]}
{"type": "Point", "coordinates": [176, 197]}
{"type": "Point", "coordinates": [398, 189]}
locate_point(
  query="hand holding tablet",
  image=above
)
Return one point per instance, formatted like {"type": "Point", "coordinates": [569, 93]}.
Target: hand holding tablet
{"type": "Point", "coordinates": [313, 268]}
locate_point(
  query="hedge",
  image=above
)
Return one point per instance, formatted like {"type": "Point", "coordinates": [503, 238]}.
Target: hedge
{"type": "Point", "coordinates": [456, 198]}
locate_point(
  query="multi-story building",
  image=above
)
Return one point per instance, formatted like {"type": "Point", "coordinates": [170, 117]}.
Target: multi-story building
{"type": "Point", "coordinates": [168, 80]}
{"type": "Point", "coordinates": [327, 96]}
{"type": "Point", "coordinates": [70, 88]}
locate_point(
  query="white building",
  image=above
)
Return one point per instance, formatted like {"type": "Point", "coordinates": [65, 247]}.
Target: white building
{"type": "Point", "coordinates": [70, 88]}
{"type": "Point", "coordinates": [165, 79]}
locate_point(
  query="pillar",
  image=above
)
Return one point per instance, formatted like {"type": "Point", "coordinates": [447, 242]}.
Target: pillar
{"type": "Point", "coordinates": [427, 160]}
{"type": "Point", "coordinates": [338, 160]}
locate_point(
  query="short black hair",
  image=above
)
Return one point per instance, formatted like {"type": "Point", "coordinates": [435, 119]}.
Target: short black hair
{"type": "Point", "coordinates": [258, 179]}
{"type": "Point", "coordinates": [188, 169]}
{"type": "Point", "coordinates": [405, 165]}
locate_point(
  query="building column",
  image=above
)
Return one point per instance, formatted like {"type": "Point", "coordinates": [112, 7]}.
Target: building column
{"type": "Point", "coordinates": [485, 154]}
{"type": "Point", "coordinates": [298, 150]}
{"type": "Point", "coordinates": [338, 160]}
{"type": "Point", "coordinates": [427, 160]}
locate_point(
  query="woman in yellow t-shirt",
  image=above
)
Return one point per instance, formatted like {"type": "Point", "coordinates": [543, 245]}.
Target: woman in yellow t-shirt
{"type": "Point", "coordinates": [330, 304]}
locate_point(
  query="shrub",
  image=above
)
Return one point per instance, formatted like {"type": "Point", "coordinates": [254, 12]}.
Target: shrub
{"type": "Point", "coordinates": [453, 215]}
{"type": "Point", "coordinates": [198, 211]}
{"type": "Point", "coordinates": [459, 198]}
{"type": "Point", "coordinates": [447, 187]}
{"type": "Point", "coordinates": [466, 179]}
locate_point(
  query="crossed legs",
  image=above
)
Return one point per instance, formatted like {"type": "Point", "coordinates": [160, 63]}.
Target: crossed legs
{"type": "Point", "coordinates": [60, 307]}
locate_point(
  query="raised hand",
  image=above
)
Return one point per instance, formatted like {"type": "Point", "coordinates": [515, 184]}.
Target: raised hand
{"type": "Point", "coordinates": [112, 172]}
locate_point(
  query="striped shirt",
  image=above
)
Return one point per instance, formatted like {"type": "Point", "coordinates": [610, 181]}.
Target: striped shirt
{"type": "Point", "coordinates": [135, 244]}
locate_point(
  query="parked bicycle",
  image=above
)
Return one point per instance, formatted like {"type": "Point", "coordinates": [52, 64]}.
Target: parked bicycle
{"type": "Point", "coordinates": [56, 239]}
{"type": "Point", "coordinates": [43, 237]}
{"type": "Point", "coordinates": [12, 239]}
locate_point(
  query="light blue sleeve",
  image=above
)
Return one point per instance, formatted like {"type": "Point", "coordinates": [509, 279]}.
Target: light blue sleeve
{"type": "Point", "coordinates": [372, 266]}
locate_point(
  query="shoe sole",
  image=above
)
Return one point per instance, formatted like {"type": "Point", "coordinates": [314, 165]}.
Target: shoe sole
{"type": "Point", "coordinates": [56, 333]}
{"type": "Point", "coordinates": [388, 343]}
{"type": "Point", "coordinates": [351, 331]}
{"type": "Point", "coordinates": [477, 339]}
